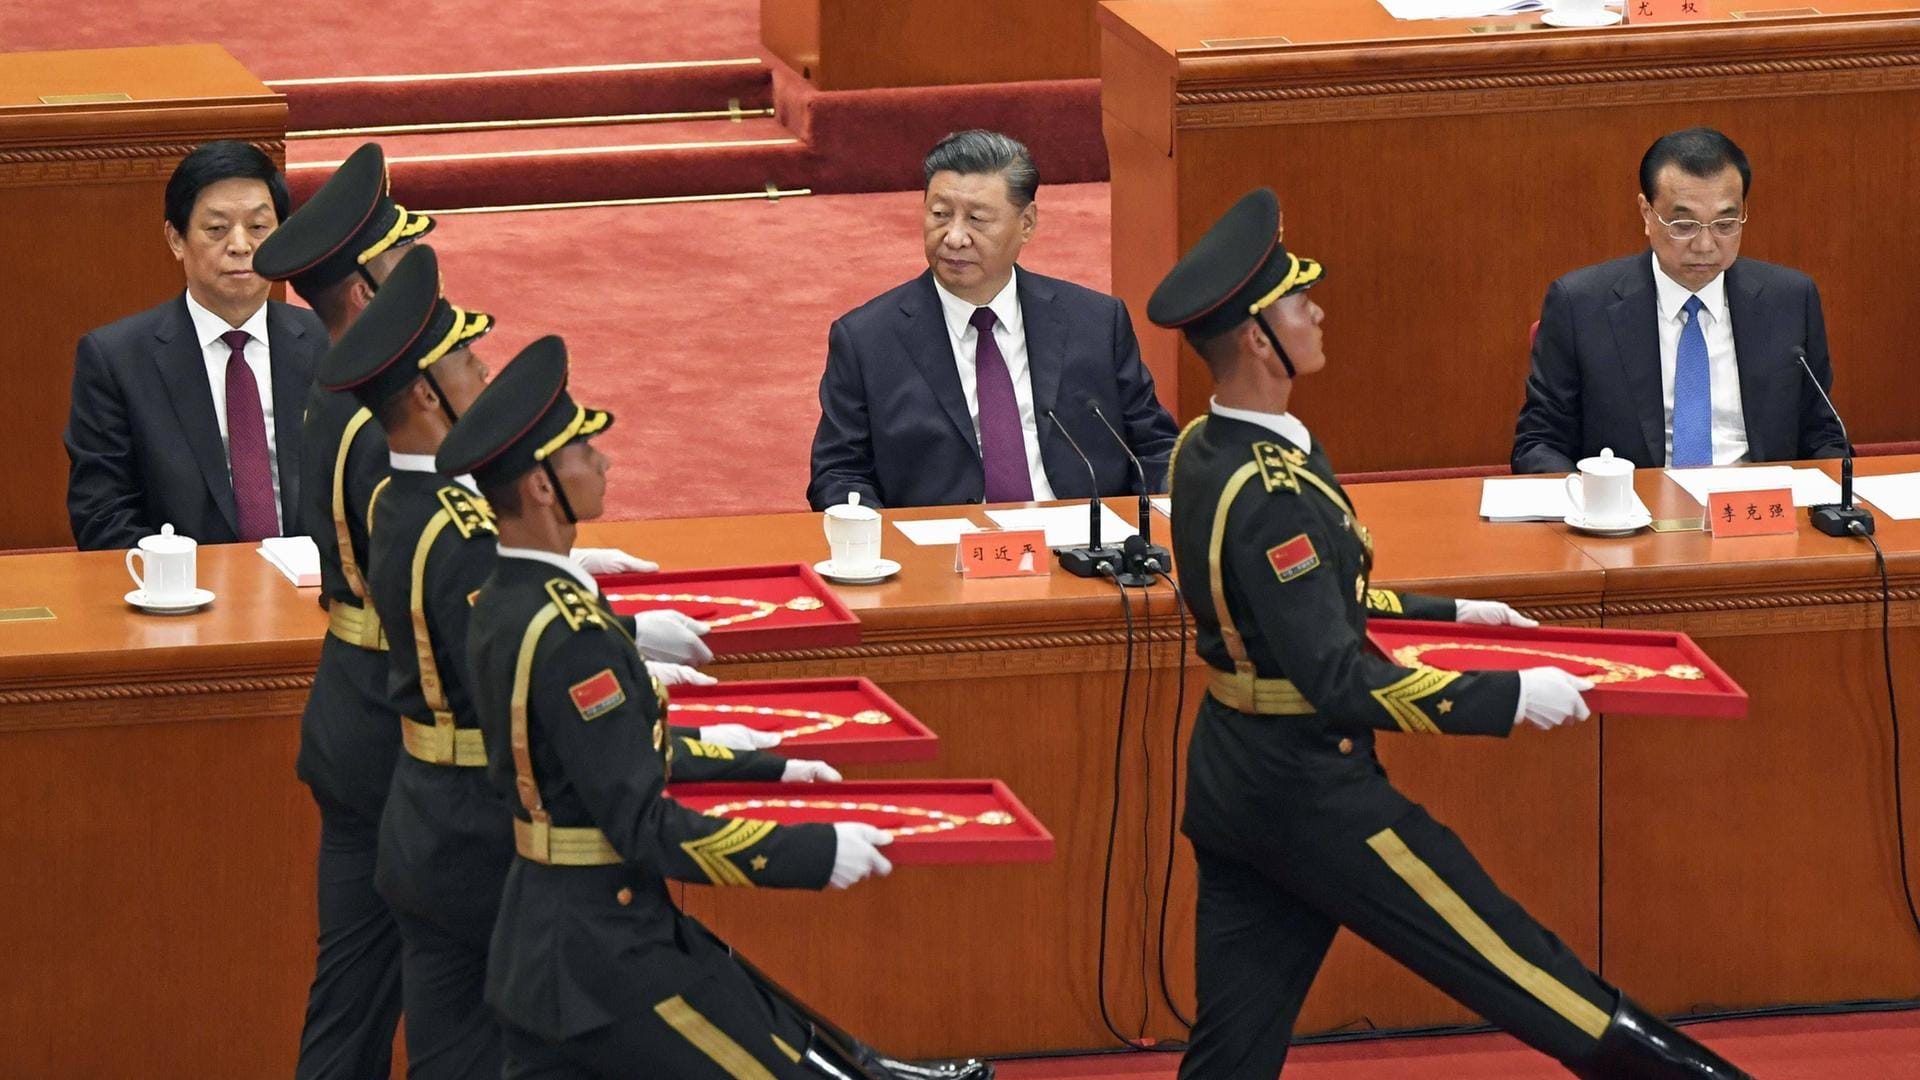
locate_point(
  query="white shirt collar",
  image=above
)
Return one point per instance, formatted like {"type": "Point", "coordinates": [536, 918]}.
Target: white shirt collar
{"type": "Point", "coordinates": [1673, 296]}
{"type": "Point", "coordinates": [551, 559]}
{"type": "Point", "coordinates": [207, 327]}
{"type": "Point", "coordinates": [1286, 425]}
{"type": "Point", "coordinates": [424, 463]}
{"type": "Point", "coordinates": [1005, 305]}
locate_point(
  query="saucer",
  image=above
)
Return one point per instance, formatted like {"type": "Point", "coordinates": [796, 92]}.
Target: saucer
{"type": "Point", "coordinates": [881, 570]}
{"type": "Point", "coordinates": [1586, 19]}
{"type": "Point", "coordinates": [1627, 526]}
{"type": "Point", "coordinates": [196, 599]}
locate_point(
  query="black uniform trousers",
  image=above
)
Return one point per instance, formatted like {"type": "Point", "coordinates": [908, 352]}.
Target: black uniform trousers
{"type": "Point", "coordinates": [348, 739]}
{"type": "Point", "coordinates": [724, 1026]}
{"type": "Point", "coordinates": [445, 844]}
{"type": "Point", "coordinates": [1297, 832]}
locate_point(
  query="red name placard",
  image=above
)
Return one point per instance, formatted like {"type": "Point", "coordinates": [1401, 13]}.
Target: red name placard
{"type": "Point", "coordinates": [1751, 513]}
{"type": "Point", "coordinates": [1003, 553]}
{"type": "Point", "coordinates": [1656, 11]}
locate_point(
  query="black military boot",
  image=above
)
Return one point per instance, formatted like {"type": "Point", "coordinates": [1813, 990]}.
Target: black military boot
{"type": "Point", "coordinates": [838, 1056]}
{"type": "Point", "coordinates": [1638, 1045]}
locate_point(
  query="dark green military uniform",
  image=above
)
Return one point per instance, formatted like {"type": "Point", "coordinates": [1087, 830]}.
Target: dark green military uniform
{"type": "Point", "coordinates": [349, 735]}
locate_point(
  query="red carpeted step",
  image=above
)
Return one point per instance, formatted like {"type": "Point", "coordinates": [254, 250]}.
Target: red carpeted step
{"type": "Point", "coordinates": [605, 90]}
{"type": "Point", "coordinates": [519, 166]}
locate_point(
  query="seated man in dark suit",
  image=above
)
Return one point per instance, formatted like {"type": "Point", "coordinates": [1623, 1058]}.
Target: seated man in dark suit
{"type": "Point", "coordinates": [918, 408]}
{"type": "Point", "coordinates": [1685, 356]}
{"type": "Point", "coordinates": [189, 413]}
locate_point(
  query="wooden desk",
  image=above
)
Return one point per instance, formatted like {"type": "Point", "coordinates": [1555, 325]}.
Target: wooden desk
{"type": "Point", "coordinates": [88, 139]}
{"type": "Point", "coordinates": [169, 846]}
{"type": "Point", "coordinates": [864, 44]}
{"type": "Point", "coordinates": [1445, 177]}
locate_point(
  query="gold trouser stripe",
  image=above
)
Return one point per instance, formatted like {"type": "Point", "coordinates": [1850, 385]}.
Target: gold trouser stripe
{"type": "Point", "coordinates": [356, 626]}
{"type": "Point", "coordinates": [1216, 576]}
{"type": "Point", "coordinates": [563, 846]}
{"type": "Point", "coordinates": [523, 780]}
{"type": "Point", "coordinates": [781, 1044]}
{"type": "Point", "coordinates": [732, 1058]}
{"type": "Point", "coordinates": [430, 687]}
{"type": "Point", "coordinates": [710, 852]}
{"type": "Point", "coordinates": [349, 567]}
{"type": "Point", "coordinates": [1448, 904]}
{"type": "Point", "coordinates": [1173, 459]}
{"type": "Point", "coordinates": [436, 745]}
{"type": "Point", "coordinates": [1400, 699]}
{"type": "Point", "coordinates": [1241, 690]}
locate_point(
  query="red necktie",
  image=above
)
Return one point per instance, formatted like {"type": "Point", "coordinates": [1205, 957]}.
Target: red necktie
{"type": "Point", "coordinates": [247, 452]}
{"type": "Point", "coordinates": [1003, 445]}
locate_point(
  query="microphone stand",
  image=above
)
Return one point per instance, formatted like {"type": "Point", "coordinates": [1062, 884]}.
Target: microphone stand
{"type": "Point", "coordinates": [1845, 519]}
{"type": "Point", "coordinates": [1094, 560]}
{"type": "Point", "coordinates": [1141, 561]}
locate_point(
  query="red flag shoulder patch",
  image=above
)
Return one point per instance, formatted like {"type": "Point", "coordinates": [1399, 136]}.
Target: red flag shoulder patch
{"type": "Point", "coordinates": [597, 696]}
{"type": "Point", "coordinates": [1293, 558]}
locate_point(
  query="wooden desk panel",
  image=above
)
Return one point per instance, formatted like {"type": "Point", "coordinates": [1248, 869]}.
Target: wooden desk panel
{"type": "Point", "coordinates": [1446, 177]}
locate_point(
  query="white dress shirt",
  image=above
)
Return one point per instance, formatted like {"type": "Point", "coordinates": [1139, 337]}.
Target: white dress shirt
{"type": "Point", "coordinates": [1010, 333]}
{"type": "Point", "coordinates": [424, 463]}
{"type": "Point", "coordinates": [563, 562]}
{"type": "Point", "coordinates": [1286, 425]}
{"type": "Point", "coordinates": [1729, 419]}
{"type": "Point", "coordinates": [207, 328]}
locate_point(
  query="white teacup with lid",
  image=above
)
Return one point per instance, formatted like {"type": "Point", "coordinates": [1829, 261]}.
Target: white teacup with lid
{"type": "Point", "coordinates": [1602, 491]}
{"type": "Point", "coordinates": [166, 577]}
{"type": "Point", "coordinates": [853, 537]}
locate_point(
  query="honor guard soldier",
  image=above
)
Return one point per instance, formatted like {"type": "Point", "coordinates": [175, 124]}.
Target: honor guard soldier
{"type": "Point", "coordinates": [1295, 828]}
{"type": "Point", "coordinates": [594, 971]}
{"type": "Point", "coordinates": [335, 251]}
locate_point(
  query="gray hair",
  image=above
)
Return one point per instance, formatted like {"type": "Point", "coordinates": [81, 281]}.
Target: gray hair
{"type": "Point", "coordinates": [977, 151]}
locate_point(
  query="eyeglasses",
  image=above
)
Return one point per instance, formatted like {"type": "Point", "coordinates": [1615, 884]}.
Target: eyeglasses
{"type": "Point", "coordinates": [1686, 229]}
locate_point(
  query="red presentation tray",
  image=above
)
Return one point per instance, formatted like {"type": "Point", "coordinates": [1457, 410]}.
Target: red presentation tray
{"type": "Point", "coordinates": [1022, 840]}
{"type": "Point", "coordinates": [829, 624]}
{"type": "Point", "coordinates": [902, 738]}
{"type": "Point", "coordinates": [1713, 694]}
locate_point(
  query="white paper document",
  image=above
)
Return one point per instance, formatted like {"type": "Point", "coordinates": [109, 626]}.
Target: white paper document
{"type": "Point", "coordinates": [932, 532]}
{"type": "Point", "coordinates": [1066, 526]}
{"type": "Point", "coordinates": [1529, 498]}
{"type": "Point", "coordinates": [1896, 495]}
{"type": "Point", "coordinates": [294, 556]}
{"type": "Point", "coordinates": [1163, 503]}
{"type": "Point", "coordinates": [1459, 9]}
{"type": "Point", "coordinates": [1811, 487]}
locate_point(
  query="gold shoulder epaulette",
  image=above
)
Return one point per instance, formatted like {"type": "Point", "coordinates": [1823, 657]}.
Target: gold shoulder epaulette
{"type": "Point", "coordinates": [1277, 466]}
{"type": "Point", "coordinates": [469, 512]}
{"type": "Point", "coordinates": [575, 605]}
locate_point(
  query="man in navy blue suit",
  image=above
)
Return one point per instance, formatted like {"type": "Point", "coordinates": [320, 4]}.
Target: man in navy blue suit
{"type": "Point", "coordinates": [189, 413]}
{"type": "Point", "coordinates": [952, 387]}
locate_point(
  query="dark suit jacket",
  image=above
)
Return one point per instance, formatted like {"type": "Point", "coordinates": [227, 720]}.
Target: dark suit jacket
{"type": "Point", "coordinates": [894, 424]}
{"type": "Point", "coordinates": [1596, 368]}
{"type": "Point", "coordinates": [142, 437]}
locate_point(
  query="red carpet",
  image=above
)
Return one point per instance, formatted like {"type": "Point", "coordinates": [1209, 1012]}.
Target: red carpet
{"type": "Point", "coordinates": [705, 325]}
{"type": "Point", "coordinates": [1857, 1046]}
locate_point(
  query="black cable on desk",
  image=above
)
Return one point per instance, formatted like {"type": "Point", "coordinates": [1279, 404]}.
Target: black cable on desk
{"type": "Point", "coordinates": [1146, 796]}
{"type": "Point", "coordinates": [1113, 828]}
{"type": "Point", "coordinates": [1893, 710]}
{"type": "Point", "coordinates": [1173, 795]}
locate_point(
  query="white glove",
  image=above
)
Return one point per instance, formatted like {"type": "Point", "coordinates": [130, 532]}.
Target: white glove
{"type": "Point", "coordinates": [671, 636]}
{"type": "Point", "coordinates": [740, 737]}
{"type": "Point", "coordinates": [856, 855]}
{"type": "Point", "coordinates": [807, 772]}
{"type": "Point", "coordinates": [1489, 613]}
{"type": "Point", "coordinates": [1550, 697]}
{"type": "Point", "coordinates": [611, 561]}
{"type": "Point", "coordinates": [680, 675]}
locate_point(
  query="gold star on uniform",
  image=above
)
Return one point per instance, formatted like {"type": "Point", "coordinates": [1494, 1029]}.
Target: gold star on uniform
{"type": "Point", "coordinates": [1445, 706]}
{"type": "Point", "coordinates": [759, 862]}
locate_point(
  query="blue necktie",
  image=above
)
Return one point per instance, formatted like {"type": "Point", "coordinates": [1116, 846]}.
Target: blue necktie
{"type": "Point", "coordinates": [1692, 393]}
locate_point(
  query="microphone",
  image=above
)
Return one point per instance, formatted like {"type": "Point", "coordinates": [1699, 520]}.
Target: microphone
{"type": "Point", "coordinates": [1846, 518]}
{"type": "Point", "coordinates": [1137, 557]}
{"type": "Point", "coordinates": [1092, 560]}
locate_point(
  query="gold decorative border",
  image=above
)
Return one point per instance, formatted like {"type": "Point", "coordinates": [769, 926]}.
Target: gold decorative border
{"type": "Point", "coordinates": [1532, 91]}
{"type": "Point", "coordinates": [154, 702]}
{"type": "Point", "coordinates": [104, 164]}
